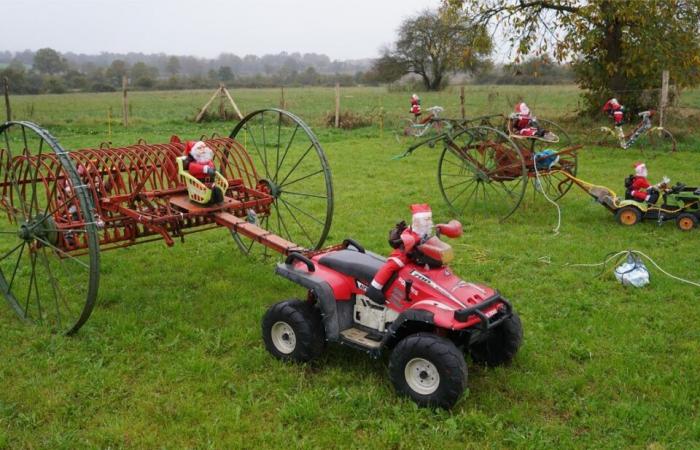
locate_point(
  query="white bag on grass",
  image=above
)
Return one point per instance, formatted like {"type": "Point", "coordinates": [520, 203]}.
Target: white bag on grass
{"type": "Point", "coordinates": [632, 272]}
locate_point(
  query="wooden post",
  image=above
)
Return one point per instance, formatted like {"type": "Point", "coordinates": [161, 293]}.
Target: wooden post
{"type": "Point", "coordinates": [8, 110]}
{"type": "Point", "coordinates": [664, 97]}
{"type": "Point", "coordinates": [206, 105]}
{"type": "Point", "coordinates": [337, 105]}
{"type": "Point", "coordinates": [109, 122]}
{"type": "Point", "coordinates": [238, 111]}
{"type": "Point", "coordinates": [461, 100]}
{"type": "Point", "coordinates": [222, 106]}
{"type": "Point", "coordinates": [283, 101]}
{"type": "Point", "coordinates": [125, 106]}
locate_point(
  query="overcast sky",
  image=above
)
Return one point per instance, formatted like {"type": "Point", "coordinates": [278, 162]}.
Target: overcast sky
{"type": "Point", "coordinates": [341, 29]}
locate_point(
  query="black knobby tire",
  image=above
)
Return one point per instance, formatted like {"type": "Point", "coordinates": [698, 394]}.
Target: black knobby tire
{"type": "Point", "coordinates": [426, 355]}
{"type": "Point", "coordinates": [293, 331]}
{"type": "Point", "coordinates": [502, 344]}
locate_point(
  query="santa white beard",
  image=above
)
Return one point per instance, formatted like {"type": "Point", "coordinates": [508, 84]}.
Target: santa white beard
{"type": "Point", "coordinates": [202, 155]}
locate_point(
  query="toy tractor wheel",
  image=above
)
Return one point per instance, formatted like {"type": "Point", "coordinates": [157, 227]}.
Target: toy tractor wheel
{"type": "Point", "coordinates": [293, 331]}
{"type": "Point", "coordinates": [481, 169]}
{"type": "Point", "coordinates": [291, 167]}
{"type": "Point", "coordinates": [429, 369]}
{"type": "Point", "coordinates": [628, 215]}
{"type": "Point", "coordinates": [501, 345]}
{"type": "Point", "coordinates": [686, 221]}
{"type": "Point", "coordinates": [49, 245]}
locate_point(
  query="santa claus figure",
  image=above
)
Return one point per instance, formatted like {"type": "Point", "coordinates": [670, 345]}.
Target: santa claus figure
{"type": "Point", "coordinates": [615, 110]}
{"type": "Point", "coordinates": [403, 239]}
{"type": "Point", "coordinates": [525, 124]}
{"type": "Point", "coordinates": [199, 160]}
{"type": "Point", "coordinates": [638, 187]}
{"type": "Point", "coordinates": [415, 106]}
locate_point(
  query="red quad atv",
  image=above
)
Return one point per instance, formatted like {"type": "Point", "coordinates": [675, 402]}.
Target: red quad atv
{"type": "Point", "coordinates": [430, 319]}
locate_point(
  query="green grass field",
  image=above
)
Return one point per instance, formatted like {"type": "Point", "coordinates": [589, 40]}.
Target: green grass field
{"type": "Point", "coordinates": [172, 356]}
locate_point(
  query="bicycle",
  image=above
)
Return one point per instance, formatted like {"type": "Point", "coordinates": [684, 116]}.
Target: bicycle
{"type": "Point", "coordinates": [658, 138]}
{"type": "Point", "coordinates": [425, 127]}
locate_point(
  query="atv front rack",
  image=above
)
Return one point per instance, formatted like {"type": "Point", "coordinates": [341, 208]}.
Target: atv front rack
{"type": "Point", "coordinates": [463, 315]}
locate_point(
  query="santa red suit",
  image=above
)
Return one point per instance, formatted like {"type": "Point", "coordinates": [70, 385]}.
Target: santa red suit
{"type": "Point", "coordinates": [640, 186]}
{"type": "Point", "coordinates": [415, 106]}
{"type": "Point", "coordinates": [524, 123]}
{"type": "Point", "coordinates": [199, 160]}
{"type": "Point", "coordinates": [421, 228]}
{"type": "Point", "coordinates": [614, 109]}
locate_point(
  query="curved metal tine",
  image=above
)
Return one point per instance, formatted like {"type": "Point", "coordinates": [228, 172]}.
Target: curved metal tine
{"type": "Point", "coordinates": [11, 173]}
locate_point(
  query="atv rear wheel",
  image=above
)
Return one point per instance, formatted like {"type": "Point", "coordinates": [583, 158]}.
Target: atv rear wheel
{"type": "Point", "coordinates": [502, 345]}
{"type": "Point", "coordinates": [628, 215]}
{"type": "Point", "coordinates": [429, 369]}
{"type": "Point", "coordinates": [293, 331]}
{"type": "Point", "coordinates": [686, 221]}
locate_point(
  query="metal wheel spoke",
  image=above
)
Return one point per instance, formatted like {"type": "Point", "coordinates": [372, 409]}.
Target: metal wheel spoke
{"type": "Point", "coordinates": [302, 178]}
{"type": "Point", "coordinates": [281, 183]}
{"type": "Point", "coordinates": [14, 271]}
{"type": "Point", "coordinates": [311, 241]}
{"type": "Point", "coordinates": [67, 255]}
{"type": "Point", "coordinates": [286, 150]}
{"type": "Point", "coordinates": [302, 211]}
{"type": "Point", "coordinates": [304, 194]}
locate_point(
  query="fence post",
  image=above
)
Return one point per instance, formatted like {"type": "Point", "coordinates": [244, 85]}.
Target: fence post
{"type": "Point", "coordinates": [283, 101]}
{"type": "Point", "coordinates": [125, 105]}
{"type": "Point", "coordinates": [461, 100]}
{"type": "Point", "coordinates": [8, 110]}
{"type": "Point", "coordinates": [664, 97]}
{"type": "Point", "coordinates": [337, 105]}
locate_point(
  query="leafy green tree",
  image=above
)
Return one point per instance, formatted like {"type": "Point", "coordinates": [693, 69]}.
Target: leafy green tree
{"type": "Point", "coordinates": [116, 71]}
{"type": "Point", "coordinates": [225, 74]}
{"type": "Point", "coordinates": [173, 66]}
{"type": "Point", "coordinates": [143, 75]}
{"type": "Point", "coordinates": [49, 61]}
{"type": "Point", "coordinates": [435, 43]}
{"type": "Point", "coordinates": [617, 48]}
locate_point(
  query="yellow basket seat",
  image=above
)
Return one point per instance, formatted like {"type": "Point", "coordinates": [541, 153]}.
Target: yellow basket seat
{"type": "Point", "coordinates": [197, 191]}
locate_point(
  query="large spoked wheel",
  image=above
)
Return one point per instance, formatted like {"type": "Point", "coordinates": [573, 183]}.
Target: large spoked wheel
{"type": "Point", "coordinates": [49, 248]}
{"type": "Point", "coordinates": [551, 180]}
{"type": "Point", "coordinates": [292, 168]}
{"type": "Point", "coordinates": [481, 169]}
{"type": "Point", "coordinates": [659, 140]}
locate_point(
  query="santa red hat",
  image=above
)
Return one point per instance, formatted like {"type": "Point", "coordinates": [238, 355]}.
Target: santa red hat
{"type": "Point", "coordinates": [639, 168]}
{"type": "Point", "coordinates": [521, 108]}
{"type": "Point", "coordinates": [189, 145]}
{"type": "Point", "coordinates": [421, 210]}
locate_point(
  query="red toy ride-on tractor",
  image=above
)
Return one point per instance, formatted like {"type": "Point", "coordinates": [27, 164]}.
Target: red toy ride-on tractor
{"type": "Point", "coordinates": [431, 317]}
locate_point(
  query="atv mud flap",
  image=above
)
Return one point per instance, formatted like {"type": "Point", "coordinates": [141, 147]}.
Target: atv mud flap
{"type": "Point", "coordinates": [321, 290]}
{"type": "Point", "coordinates": [486, 323]}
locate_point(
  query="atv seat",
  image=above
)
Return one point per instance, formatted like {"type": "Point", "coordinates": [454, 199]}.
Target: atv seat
{"type": "Point", "coordinates": [349, 262]}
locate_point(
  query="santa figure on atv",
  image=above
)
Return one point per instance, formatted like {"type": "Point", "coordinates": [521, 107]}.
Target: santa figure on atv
{"type": "Point", "coordinates": [637, 186]}
{"type": "Point", "coordinates": [524, 124]}
{"type": "Point", "coordinates": [199, 160]}
{"type": "Point", "coordinates": [404, 241]}
{"type": "Point", "coordinates": [615, 111]}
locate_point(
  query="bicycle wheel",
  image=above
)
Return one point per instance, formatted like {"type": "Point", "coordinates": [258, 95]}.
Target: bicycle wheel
{"type": "Point", "coordinates": [658, 139]}
{"type": "Point", "coordinates": [481, 169]}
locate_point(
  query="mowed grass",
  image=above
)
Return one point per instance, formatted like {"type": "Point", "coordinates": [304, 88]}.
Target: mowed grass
{"type": "Point", "coordinates": [172, 355]}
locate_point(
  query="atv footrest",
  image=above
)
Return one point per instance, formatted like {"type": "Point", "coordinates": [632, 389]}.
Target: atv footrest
{"type": "Point", "coordinates": [359, 337]}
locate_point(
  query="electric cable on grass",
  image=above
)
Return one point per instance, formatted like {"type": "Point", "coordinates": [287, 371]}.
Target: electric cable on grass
{"type": "Point", "coordinates": [617, 255]}
{"type": "Point", "coordinates": [537, 175]}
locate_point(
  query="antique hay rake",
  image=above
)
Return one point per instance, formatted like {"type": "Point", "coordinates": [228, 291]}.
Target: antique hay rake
{"type": "Point", "coordinates": [61, 208]}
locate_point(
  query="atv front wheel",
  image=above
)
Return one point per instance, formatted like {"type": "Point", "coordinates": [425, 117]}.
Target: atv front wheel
{"type": "Point", "coordinates": [293, 331]}
{"type": "Point", "coordinates": [502, 345]}
{"type": "Point", "coordinates": [429, 369]}
{"type": "Point", "coordinates": [628, 215]}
